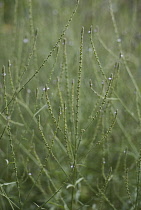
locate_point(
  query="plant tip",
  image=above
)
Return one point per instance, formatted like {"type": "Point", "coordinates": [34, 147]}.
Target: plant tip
{"type": "Point", "coordinates": [46, 88]}
{"type": "Point", "coordinates": [4, 74]}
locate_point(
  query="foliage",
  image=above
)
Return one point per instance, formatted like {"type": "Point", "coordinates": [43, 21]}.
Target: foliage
{"type": "Point", "coordinates": [70, 105]}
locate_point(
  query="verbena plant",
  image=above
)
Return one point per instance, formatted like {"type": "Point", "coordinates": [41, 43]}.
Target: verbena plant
{"type": "Point", "coordinates": [70, 105]}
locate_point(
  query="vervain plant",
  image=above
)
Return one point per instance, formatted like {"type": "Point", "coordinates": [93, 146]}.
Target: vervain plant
{"type": "Point", "coordinates": [70, 114]}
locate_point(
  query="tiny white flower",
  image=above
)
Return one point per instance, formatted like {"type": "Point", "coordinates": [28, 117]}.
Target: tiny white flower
{"type": "Point", "coordinates": [4, 74]}
{"type": "Point", "coordinates": [118, 40]}
{"type": "Point", "coordinates": [46, 88]}
{"type": "Point", "coordinates": [28, 91]}
{"type": "Point", "coordinates": [25, 40]}
{"type": "Point", "coordinates": [7, 161]}
{"type": "Point", "coordinates": [116, 111]}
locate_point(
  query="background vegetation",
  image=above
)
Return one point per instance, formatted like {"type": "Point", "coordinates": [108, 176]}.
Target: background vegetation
{"type": "Point", "coordinates": [70, 116]}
